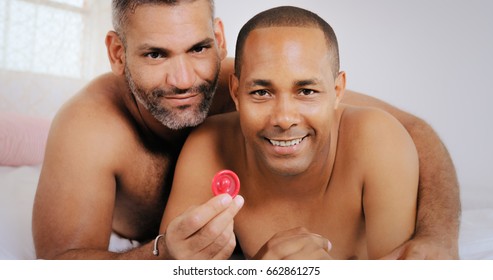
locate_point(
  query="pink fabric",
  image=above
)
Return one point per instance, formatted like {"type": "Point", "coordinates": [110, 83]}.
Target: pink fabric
{"type": "Point", "coordinates": [22, 139]}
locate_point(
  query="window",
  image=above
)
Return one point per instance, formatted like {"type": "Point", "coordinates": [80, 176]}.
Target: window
{"type": "Point", "coordinates": [43, 36]}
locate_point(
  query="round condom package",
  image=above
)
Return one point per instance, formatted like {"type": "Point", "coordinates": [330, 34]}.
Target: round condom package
{"type": "Point", "coordinates": [226, 181]}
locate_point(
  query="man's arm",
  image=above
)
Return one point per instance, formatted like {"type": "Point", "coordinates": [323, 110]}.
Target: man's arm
{"type": "Point", "coordinates": [388, 164]}
{"type": "Point", "coordinates": [295, 244]}
{"type": "Point", "coordinates": [199, 160]}
{"type": "Point", "coordinates": [73, 207]}
{"type": "Point", "coordinates": [75, 200]}
{"type": "Point", "coordinates": [437, 225]}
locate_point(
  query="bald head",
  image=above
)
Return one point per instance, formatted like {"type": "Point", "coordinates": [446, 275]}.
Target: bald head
{"type": "Point", "coordinates": [287, 16]}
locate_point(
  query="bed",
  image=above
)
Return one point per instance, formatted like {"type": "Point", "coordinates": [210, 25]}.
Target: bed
{"type": "Point", "coordinates": [18, 187]}
{"type": "Point", "coordinates": [22, 139]}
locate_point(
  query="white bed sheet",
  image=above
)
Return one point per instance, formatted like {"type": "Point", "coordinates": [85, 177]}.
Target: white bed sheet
{"type": "Point", "coordinates": [17, 190]}
{"type": "Point", "coordinates": [18, 187]}
{"type": "Point", "coordinates": [476, 231]}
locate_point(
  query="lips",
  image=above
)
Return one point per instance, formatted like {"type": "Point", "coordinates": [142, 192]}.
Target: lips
{"type": "Point", "coordinates": [286, 143]}
{"type": "Point", "coordinates": [285, 147]}
{"type": "Point", "coordinates": [181, 96]}
{"type": "Point", "coordinates": [182, 99]}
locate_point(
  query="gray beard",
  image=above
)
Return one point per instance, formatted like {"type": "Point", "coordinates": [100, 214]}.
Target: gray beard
{"type": "Point", "coordinates": [174, 118]}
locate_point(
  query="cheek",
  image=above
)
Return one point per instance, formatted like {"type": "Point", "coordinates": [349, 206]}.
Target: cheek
{"type": "Point", "coordinates": [252, 119]}
{"type": "Point", "coordinates": [314, 109]}
{"type": "Point", "coordinates": [142, 75]}
{"type": "Point", "coordinates": [317, 115]}
{"type": "Point", "coordinates": [207, 68]}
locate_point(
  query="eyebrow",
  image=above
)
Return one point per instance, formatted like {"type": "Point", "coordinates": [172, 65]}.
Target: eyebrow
{"type": "Point", "coordinates": [259, 82]}
{"type": "Point", "coordinates": [309, 82]}
{"type": "Point", "coordinates": [268, 83]}
{"type": "Point", "coordinates": [206, 41]}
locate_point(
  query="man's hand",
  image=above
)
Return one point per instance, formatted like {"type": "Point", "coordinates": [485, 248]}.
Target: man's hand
{"type": "Point", "coordinates": [423, 248]}
{"type": "Point", "coordinates": [206, 231]}
{"type": "Point", "coordinates": [295, 244]}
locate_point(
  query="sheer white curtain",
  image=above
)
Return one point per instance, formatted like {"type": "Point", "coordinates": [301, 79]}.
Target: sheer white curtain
{"type": "Point", "coordinates": [56, 37]}
{"type": "Point", "coordinates": [48, 50]}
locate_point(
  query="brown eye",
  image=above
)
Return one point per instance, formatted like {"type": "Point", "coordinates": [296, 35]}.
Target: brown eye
{"type": "Point", "coordinates": [307, 91]}
{"type": "Point", "coordinates": [200, 49]}
{"type": "Point", "coordinates": [153, 55]}
{"type": "Point", "coordinates": [260, 93]}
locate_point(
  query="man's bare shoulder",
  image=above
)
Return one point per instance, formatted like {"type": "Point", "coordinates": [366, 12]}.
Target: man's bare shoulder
{"type": "Point", "coordinates": [371, 135]}
{"type": "Point", "coordinates": [98, 104]}
{"type": "Point", "coordinates": [369, 129]}
{"type": "Point", "coordinates": [218, 136]}
{"type": "Point", "coordinates": [368, 119]}
{"type": "Point", "coordinates": [354, 98]}
{"type": "Point", "coordinates": [218, 127]}
{"type": "Point", "coordinates": [95, 117]}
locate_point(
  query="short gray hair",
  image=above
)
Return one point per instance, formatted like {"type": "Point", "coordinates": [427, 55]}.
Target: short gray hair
{"type": "Point", "coordinates": [122, 8]}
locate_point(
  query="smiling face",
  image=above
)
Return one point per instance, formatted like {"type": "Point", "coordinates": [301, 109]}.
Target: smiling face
{"type": "Point", "coordinates": [172, 60]}
{"type": "Point", "coordinates": [286, 97]}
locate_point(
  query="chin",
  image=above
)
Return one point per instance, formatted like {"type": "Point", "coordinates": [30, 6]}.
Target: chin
{"type": "Point", "coordinates": [180, 119]}
{"type": "Point", "coordinates": [287, 171]}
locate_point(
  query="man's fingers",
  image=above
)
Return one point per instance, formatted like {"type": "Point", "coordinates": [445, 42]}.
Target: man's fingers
{"type": "Point", "coordinates": [223, 248]}
{"type": "Point", "coordinates": [196, 218]}
{"type": "Point", "coordinates": [213, 233]}
{"type": "Point", "coordinates": [295, 244]}
{"type": "Point", "coordinates": [205, 231]}
{"type": "Point", "coordinates": [301, 231]}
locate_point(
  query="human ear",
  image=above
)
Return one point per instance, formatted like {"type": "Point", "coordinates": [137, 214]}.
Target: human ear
{"type": "Point", "coordinates": [116, 52]}
{"type": "Point", "coordinates": [340, 88]}
{"type": "Point", "coordinates": [220, 38]}
{"type": "Point", "coordinates": [233, 89]}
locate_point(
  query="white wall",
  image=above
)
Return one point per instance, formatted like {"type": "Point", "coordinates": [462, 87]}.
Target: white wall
{"type": "Point", "coordinates": [433, 58]}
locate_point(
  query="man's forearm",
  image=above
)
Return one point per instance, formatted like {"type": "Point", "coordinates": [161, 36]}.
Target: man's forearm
{"type": "Point", "coordinates": [438, 197]}
{"type": "Point", "coordinates": [143, 252]}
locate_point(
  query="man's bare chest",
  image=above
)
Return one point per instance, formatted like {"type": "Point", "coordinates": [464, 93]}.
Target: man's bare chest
{"type": "Point", "coordinates": [141, 194]}
{"type": "Point", "coordinates": [337, 216]}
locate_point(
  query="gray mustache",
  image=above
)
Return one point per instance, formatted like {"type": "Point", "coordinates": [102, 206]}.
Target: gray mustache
{"type": "Point", "coordinates": [176, 91]}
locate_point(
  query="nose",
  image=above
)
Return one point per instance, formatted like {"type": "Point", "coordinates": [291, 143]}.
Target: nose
{"type": "Point", "coordinates": [285, 113]}
{"type": "Point", "coordinates": [181, 73]}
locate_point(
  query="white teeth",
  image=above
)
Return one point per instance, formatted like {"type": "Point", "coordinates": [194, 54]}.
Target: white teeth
{"type": "Point", "coordinates": [286, 143]}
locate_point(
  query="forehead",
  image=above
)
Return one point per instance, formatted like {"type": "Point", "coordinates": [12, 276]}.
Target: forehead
{"type": "Point", "coordinates": [165, 22]}
{"type": "Point", "coordinates": [286, 49]}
